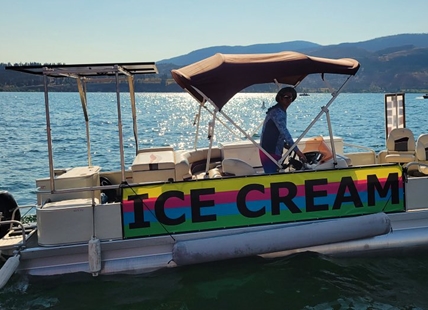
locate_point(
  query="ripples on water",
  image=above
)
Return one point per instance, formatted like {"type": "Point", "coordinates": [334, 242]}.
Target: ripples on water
{"type": "Point", "coordinates": [164, 119]}
{"type": "Point", "coordinates": [305, 281]}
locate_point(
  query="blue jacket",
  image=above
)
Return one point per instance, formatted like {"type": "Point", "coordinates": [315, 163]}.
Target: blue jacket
{"type": "Point", "coordinates": [275, 132]}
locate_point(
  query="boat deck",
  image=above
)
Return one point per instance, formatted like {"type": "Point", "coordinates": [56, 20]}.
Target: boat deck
{"type": "Point", "coordinates": [16, 238]}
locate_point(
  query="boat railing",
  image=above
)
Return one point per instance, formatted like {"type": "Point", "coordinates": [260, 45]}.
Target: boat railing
{"type": "Point", "coordinates": [92, 189]}
{"type": "Point", "coordinates": [22, 216]}
{"type": "Point", "coordinates": [416, 169]}
{"type": "Point", "coordinates": [364, 156]}
{"type": "Point", "coordinates": [80, 189]}
{"type": "Point", "coordinates": [359, 147]}
{"type": "Point", "coordinates": [4, 244]}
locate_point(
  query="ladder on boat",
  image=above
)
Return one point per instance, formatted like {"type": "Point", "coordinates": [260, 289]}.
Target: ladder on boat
{"type": "Point", "coordinates": [10, 246]}
{"type": "Point", "coordinates": [17, 235]}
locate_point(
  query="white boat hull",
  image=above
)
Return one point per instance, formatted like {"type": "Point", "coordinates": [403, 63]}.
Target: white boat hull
{"type": "Point", "coordinates": [182, 207]}
{"type": "Point", "coordinates": [140, 256]}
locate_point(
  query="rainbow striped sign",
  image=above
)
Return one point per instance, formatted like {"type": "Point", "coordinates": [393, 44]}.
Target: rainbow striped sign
{"type": "Point", "coordinates": [198, 205]}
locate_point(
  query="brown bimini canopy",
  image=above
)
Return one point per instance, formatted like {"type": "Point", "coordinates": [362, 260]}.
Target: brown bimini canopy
{"type": "Point", "coordinates": [221, 76]}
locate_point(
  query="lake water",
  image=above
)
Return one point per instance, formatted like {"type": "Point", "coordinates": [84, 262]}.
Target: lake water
{"type": "Point", "coordinates": [305, 281]}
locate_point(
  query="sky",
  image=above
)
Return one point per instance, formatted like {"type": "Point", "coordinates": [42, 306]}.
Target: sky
{"type": "Point", "coordinates": [97, 31]}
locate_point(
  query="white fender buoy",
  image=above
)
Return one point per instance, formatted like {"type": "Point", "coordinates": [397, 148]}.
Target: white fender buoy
{"type": "Point", "coordinates": [8, 269]}
{"type": "Point", "coordinates": [94, 256]}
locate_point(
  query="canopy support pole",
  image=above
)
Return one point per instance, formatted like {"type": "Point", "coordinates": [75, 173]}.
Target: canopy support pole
{"type": "Point", "coordinates": [211, 127]}
{"type": "Point", "coordinates": [330, 131]}
{"type": "Point", "coordinates": [278, 163]}
{"type": "Point", "coordinates": [238, 127]}
{"type": "Point", "coordinates": [197, 122]}
{"type": "Point", "coordinates": [251, 139]}
{"type": "Point", "coordinates": [218, 119]}
{"type": "Point", "coordinates": [48, 130]}
{"type": "Point", "coordinates": [119, 125]}
{"type": "Point", "coordinates": [323, 109]}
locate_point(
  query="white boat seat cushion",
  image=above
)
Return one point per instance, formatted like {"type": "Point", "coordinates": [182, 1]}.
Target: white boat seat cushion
{"type": "Point", "coordinates": [422, 153]}
{"type": "Point", "coordinates": [237, 167]}
{"type": "Point", "coordinates": [400, 157]}
{"type": "Point", "coordinates": [182, 166]}
{"type": "Point", "coordinates": [422, 148]}
{"type": "Point", "coordinates": [400, 146]}
{"type": "Point", "coordinates": [423, 169]}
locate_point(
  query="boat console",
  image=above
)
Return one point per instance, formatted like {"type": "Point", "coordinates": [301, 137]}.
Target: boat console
{"type": "Point", "coordinates": [74, 178]}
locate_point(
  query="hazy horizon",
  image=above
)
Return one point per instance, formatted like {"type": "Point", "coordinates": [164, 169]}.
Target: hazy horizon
{"type": "Point", "coordinates": [131, 30]}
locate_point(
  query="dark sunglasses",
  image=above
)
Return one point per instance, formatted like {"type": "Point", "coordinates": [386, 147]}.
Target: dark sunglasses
{"type": "Point", "coordinates": [287, 97]}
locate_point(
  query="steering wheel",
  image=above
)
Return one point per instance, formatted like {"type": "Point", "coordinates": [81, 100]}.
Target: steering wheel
{"type": "Point", "coordinates": [313, 157]}
{"type": "Point", "coordinates": [292, 161]}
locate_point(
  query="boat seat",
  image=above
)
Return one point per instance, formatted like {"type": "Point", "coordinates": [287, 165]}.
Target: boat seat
{"type": "Point", "coordinates": [422, 153]}
{"type": "Point", "coordinates": [237, 167]}
{"type": "Point", "coordinates": [422, 148]}
{"type": "Point", "coordinates": [400, 146]}
{"type": "Point", "coordinates": [154, 164]}
{"type": "Point", "coordinates": [182, 166]}
{"type": "Point", "coordinates": [215, 173]}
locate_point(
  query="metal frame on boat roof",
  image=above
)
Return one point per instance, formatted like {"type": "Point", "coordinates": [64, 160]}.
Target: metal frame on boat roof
{"type": "Point", "coordinates": [84, 73]}
{"type": "Point", "coordinates": [89, 70]}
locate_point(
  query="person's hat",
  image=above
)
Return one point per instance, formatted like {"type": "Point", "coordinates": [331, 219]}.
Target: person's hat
{"type": "Point", "coordinates": [285, 90]}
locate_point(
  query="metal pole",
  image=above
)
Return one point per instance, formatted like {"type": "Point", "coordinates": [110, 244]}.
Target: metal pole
{"type": "Point", "coordinates": [134, 110]}
{"type": "Point", "coordinates": [48, 133]}
{"type": "Point", "coordinates": [82, 92]}
{"type": "Point", "coordinates": [330, 131]}
{"type": "Point", "coordinates": [325, 108]}
{"type": "Point", "coordinates": [119, 125]}
{"type": "Point", "coordinates": [196, 122]}
{"type": "Point", "coordinates": [211, 127]}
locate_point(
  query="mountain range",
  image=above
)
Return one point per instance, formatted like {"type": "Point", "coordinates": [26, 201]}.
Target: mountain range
{"type": "Point", "coordinates": [397, 63]}
{"type": "Point", "coordinates": [388, 64]}
{"type": "Point", "coordinates": [357, 49]}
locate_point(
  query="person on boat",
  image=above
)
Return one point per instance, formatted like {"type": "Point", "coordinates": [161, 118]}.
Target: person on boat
{"type": "Point", "coordinates": [275, 132]}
